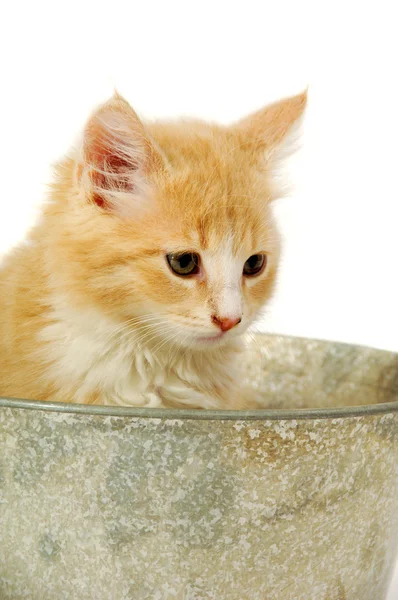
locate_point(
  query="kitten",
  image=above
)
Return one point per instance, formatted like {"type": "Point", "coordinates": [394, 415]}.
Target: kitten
{"type": "Point", "coordinates": [156, 252]}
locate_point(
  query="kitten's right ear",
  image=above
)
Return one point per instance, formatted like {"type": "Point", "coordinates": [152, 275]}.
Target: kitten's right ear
{"type": "Point", "coordinates": [118, 159]}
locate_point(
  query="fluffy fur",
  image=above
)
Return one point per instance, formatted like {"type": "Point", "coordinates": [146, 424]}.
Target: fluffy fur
{"type": "Point", "coordinates": [90, 311]}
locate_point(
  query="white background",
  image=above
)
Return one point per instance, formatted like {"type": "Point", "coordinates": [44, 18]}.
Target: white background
{"type": "Point", "coordinates": [220, 60]}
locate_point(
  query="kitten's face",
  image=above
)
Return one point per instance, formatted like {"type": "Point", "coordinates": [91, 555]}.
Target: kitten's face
{"type": "Point", "coordinates": [172, 230]}
{"type": "Point", "coordinates": [209, 266]}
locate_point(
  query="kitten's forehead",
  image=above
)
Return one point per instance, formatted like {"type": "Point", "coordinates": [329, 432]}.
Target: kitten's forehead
{"type": "Point", "coordinates": [220, 243]}
{"type": "Point", "coordinates": [207, 217]}
{"type": "Point", "coordinates": [228, 229]}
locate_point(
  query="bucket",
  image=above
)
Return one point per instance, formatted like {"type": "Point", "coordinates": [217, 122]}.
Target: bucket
{"type": "Point", "coordinates": [295, 502]}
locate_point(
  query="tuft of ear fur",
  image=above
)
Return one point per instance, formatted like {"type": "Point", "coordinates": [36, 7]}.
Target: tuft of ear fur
{"type": "Point", "coordinates": [118, 158]}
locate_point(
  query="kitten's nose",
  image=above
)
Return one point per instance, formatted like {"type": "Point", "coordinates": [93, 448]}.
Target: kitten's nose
{"type": "Point", "coordinates": [227, 323]}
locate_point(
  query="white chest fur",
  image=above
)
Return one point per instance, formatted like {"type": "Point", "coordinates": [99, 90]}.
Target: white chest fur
{"type": "Point", "coordinates": [89, 355]}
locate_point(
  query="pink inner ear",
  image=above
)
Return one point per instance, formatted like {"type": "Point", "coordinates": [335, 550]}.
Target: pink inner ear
{"type": "Point", "coordinates": [111, 162]}
{"type": "Point", "coordinates": [113, 173]}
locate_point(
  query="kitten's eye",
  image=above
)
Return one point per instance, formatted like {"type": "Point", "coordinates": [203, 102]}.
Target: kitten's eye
{"type": "Point", "coordinates": [184, 264]}
{"type": "Point", "coordinates": [255, 264]}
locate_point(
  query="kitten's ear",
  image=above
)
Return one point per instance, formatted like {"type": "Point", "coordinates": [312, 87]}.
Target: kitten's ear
{"type": "Point", "coordinates": [274, 127]}
{"type": "Point", "coordinates": [118, 159]}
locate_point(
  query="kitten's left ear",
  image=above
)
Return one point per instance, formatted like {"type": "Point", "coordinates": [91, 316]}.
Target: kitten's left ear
{"type": "Point", "coordinates": [274, 126]}
{"type": "Point", "coordinates": [118, 159]}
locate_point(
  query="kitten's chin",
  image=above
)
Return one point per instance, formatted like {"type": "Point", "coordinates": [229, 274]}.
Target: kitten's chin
{"type": "Point", "coordinates": [211, 341]}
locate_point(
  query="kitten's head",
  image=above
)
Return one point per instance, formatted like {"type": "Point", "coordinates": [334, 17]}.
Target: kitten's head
{"type": "Point", "coordinates": [168, 226]}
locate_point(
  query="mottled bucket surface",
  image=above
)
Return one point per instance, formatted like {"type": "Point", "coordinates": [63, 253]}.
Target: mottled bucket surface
{"type": "Point", "coordinates": [159, 505]}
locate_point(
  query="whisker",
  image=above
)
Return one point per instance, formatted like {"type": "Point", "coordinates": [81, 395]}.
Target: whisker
{"type": "Point", "coordinates": [127, 326]}
{"type": "Point", "coordinates": [177, 347]}
{"type": "Point", "coordinates": [159, 347]}
{"type": "Point", "coordinates": [154, 335]}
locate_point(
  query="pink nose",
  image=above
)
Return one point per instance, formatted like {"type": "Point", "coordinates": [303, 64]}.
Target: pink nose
{"type": "Point", "coordinates": [227, 323]}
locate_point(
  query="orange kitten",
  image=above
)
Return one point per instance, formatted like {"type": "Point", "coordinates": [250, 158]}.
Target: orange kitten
{"type": "Point", "coordinates": [157, 251]}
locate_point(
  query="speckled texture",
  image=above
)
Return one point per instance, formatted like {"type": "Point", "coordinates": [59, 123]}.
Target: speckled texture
{"type": "Point", "coordinates": [124, 507]}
